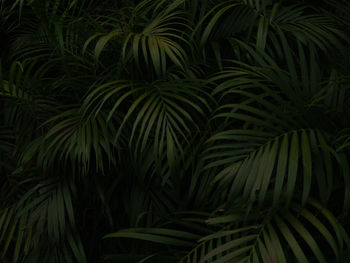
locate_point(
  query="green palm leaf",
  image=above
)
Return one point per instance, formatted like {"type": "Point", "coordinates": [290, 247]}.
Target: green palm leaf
{"type": "Point", "coordinates": [159, 112]}
{"type": "Point", "coordinates": [161, 40]}
{"type": "Point", "coordinates": [71, 138]}
{"type": "Point", "coordinates": [277, 238]}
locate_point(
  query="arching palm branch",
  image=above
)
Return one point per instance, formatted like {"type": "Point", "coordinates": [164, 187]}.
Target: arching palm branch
{"type": "Point", "coordinates": [180, 131]}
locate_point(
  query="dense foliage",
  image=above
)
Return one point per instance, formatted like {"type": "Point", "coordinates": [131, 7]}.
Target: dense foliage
{"type": "Point", "coordinates": [189, 131]}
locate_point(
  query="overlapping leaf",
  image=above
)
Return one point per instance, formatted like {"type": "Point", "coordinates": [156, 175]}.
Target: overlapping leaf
{"type": "Point", "coordinates": [162, 113]}
{"type": "Point", "coordinates": [281, 237]}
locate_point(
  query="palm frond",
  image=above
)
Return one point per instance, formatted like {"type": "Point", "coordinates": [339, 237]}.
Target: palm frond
{"type": "Point", "coordinates": [161, 40]}
{"type": "Point", "coordinates": [277, 238]}
{"type": "Point", "coordinates": [159, 112]}
{"type": "Point", "coordinates": [72, 138]}
{"type": "Point", "coordinates": [44, 214]}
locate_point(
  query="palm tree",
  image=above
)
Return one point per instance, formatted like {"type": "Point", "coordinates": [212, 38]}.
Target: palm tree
{"type": "Point", "coordinates": [174, 130]}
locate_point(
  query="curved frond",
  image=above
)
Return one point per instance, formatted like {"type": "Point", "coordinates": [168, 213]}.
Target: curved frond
{"type": "Point", "coordinates": [164, 113]}
{"type": "Point", "coordinates": [72, 138]}
{"type": "Point", "coordinates": [158, 42]}
{"type": "Point", "coordinates": [281, 237]}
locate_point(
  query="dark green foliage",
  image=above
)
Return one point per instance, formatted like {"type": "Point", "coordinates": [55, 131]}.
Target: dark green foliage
{"type": "Point", "coordinates": [189, 131]}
